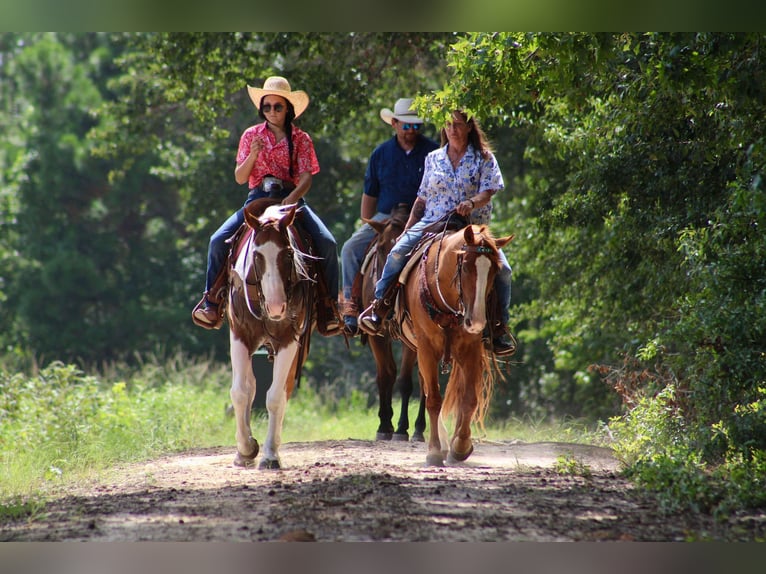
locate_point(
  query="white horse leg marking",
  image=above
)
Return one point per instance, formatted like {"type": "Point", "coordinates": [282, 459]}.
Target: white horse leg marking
{"type": "Point", "coordinates": [276, 401]}
{"type": "Point", "coordinates": [242, 394]}
{"type": "Point", "coordinates": [476, 323]}
{"type": "Point", "coordinates": [443, 434]}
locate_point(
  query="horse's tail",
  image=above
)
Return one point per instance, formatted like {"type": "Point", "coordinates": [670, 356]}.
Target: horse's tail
{"type": "Point", "coordinates": [461, 383]}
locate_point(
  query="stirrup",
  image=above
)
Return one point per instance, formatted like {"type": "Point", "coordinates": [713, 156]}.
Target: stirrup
{"type": "Point", "coordinates": [503, 348]}
{"type": "Point", "coordinates": [371, 319]}
{"type": "Point", "coordinates": [201, 309]}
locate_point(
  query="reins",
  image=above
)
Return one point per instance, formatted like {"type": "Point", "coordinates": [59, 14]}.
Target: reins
{"type": "Point", "coordinates": [451, 317]}
{"type": "Point", "coordinates": [457, 313]}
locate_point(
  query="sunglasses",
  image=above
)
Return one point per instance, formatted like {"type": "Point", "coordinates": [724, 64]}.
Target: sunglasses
{"type": "Point", "coordinates": [266, 108]}
{"type": "Point", "coordinates": [411, 126]}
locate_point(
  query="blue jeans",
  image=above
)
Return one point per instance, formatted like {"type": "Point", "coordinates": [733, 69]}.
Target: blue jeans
{"type": "Point", "coordinates": [324, 243]}
{"type": "Point", "coordinates": [397, 259]}
{"type": "Point", "coordinates": [353, 250]}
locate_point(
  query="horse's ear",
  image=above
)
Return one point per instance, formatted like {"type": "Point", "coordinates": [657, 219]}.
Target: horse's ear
{"type": "Point", "coordinates": [503, 241]}
{"type": "Point", "coordinates": [288, 217]}
{"type": "Point", "coordinates": [255, 209]}
{"type": "Point", "coordinates": [251, 218]}
{"type": "Point", "coordinates": [378, 226]}
{"type": "Point", "coordinates": [468, 235]}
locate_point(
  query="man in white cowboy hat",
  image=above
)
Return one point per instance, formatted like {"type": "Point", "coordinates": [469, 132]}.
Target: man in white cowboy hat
{"type": "Point", "coordinates": [275, 159]}
{"type": "Point", "coordinates": [392, 177]}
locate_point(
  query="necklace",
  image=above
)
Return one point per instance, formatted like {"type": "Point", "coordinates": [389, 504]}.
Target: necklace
{"type": "Point", "coordinates": [455, 156]}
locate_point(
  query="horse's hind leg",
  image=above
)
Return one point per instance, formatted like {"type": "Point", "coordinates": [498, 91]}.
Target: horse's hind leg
{"type": "Point", "coordinates": [404, 382]}
{"type": "Point", "coordinates": [242, 394]}
{"type": "Point", "coordinates": [276, 403]}
{"type": "Point", "coordinates": [420, 421]}
{"type": "Point", "coordinates": [384, 377]}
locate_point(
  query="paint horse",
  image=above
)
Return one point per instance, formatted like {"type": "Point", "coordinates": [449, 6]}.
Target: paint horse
{"type": "Point", "coordinates": [443, 316]}
{"type": "Point", "coordinates": [270, 302]}
{"type": "Point", "coordinates": [382, 349]}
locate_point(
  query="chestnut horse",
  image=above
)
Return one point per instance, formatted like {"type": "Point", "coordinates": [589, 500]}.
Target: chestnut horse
{"type": "Point", "coordinates": [444, 316]}
{"type": "Point", "coordinates": [270, 302]}
{"type": "Point", "coordinates": [388, 231]}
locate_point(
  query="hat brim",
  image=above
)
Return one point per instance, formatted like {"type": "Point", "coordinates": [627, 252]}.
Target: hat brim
{"type": "Point", "coordinates": [387, 115]}
{"type": "Point", "coordinates": [298, 98]}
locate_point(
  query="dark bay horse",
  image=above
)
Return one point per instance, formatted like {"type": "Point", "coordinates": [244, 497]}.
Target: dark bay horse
{"type": "Point", "coordinates": [270, 302]}
{"type": "Point", "coordinates": [382, 348]}
{"type": "Point", "coordinates": [444, 316]}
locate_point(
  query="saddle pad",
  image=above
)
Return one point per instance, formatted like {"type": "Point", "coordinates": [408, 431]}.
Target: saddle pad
{"type": "Point", "coordinates": [413, 261]}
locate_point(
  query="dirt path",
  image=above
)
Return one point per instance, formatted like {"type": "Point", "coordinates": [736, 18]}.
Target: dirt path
{"type": "Point", "coordinates": [355, 490]}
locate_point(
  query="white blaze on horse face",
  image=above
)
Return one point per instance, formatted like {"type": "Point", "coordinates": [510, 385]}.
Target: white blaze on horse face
{"type": "Point", "coordinates": [271, 282]}
{"type": "Point", "coordinates": [478, 318]}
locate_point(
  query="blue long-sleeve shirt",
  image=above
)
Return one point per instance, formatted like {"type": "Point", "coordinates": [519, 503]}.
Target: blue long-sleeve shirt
{"type": "Point", "coordinates": [393, 175]}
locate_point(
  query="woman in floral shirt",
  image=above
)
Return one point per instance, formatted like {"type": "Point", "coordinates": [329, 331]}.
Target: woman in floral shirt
{"type": "Point", "coordinates": [275, 158]}
{"type": "Point", "coordinates": [462, 175]}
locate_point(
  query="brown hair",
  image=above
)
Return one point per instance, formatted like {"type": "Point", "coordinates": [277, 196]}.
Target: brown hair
{"type": "Point", "coordinates": [476, 137]}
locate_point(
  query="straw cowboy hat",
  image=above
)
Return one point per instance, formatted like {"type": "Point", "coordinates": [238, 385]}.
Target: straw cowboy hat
{"type": "Point", "coordinates": [278, 86]}
{"type": "Point", "coordinates": [402, 112]}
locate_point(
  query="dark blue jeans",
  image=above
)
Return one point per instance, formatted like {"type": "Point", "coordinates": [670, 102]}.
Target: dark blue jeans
{"type": "Point", "coordinates": [324, 243]}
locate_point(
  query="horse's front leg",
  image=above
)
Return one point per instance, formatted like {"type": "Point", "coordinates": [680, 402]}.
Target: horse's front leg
{"type": "Point", "coordinates": [276, 403]}
{"type": "Point", "coordinates": [404, 382]}
{"type": "Point", "coordinates": [385, 374]}
{"type": "Point", "coordinates": [242, 394]}
{"type": "Point", "coordinates": [464, 377]}
{"type": "Point", "coordinates": [428, 371]}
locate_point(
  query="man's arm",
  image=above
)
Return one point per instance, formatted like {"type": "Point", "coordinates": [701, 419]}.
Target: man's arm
{"type": "Point", "coordinates": [369, 206]}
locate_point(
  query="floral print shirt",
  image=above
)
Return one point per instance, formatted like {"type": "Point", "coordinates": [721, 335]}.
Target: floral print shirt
{"type": "Point", "coordinates": [442, 187]}
{"type": "Point", "coordinates": [274, 158]}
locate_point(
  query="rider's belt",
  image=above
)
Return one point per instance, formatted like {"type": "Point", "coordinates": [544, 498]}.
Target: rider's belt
{"type": "Point", "coordinates": [276, 187]}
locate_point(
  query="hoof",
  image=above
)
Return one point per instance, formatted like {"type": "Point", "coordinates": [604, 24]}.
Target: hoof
{"type": "Point", "coordinates": [418, 436]}
{"type": "Point", "coordinates": [383, 435]}
{"type": "Point", "coordinates": [244, 461]}
{"type": "Point", "coordinates": [270, 464]}
{"type": "Point", "coordinates": [435, 460]}
{"type": "Point", "coordinates": [400, 437]}
{"type": "Point", "coordinates": [458, 457]}
{"type": "Point", "coordinates": [247, 460]}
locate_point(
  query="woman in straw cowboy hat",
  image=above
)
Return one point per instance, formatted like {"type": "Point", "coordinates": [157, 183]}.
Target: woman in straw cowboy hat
{"type": "Point", "coordinates": [275, 159]}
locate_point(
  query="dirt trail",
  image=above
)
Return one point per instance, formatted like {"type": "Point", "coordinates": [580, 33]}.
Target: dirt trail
{"type": "Point", "coordinates": [353, 490]}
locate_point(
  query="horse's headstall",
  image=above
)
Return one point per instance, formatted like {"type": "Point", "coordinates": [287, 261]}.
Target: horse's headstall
{"type": "Point", "coordinates": [480, 249]}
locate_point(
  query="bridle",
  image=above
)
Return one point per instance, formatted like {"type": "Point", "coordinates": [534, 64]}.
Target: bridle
{"type": "Point", "coordinates": [452, 317]}
{"type": "Point", "coordinates": [255, 287]}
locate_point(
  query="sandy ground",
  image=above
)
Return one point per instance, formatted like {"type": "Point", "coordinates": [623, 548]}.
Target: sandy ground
{"type": "Point", "coordinates": [353, 490]}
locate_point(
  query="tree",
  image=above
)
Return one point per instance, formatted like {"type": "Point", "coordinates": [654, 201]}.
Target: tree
{"type": "Point", "coordinates": [96, 260]}
{"type": "Point", "coordinates": [641, 219]}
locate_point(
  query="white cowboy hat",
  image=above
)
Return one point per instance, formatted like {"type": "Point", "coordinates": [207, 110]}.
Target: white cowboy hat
{"type": "Point", "coordinates": [278, 86]}
{"type": "Point", "coordinates": [402, 112]}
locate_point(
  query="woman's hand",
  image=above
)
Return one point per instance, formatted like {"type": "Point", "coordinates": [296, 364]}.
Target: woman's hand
{"type": "Point", "coordinates": [465, 207]}
{"type": "Point", "coordinates": [256, 146]}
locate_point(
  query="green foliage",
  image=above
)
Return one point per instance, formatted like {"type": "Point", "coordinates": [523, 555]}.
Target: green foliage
{"type": "Point", "coordinates": [570, 466]}
{"type": "Point", "coordinates": [633, 165]}
{"type": "Point", "coordinates": [63, 422]}
{"type": "Point", "coordinates": [662, 453]}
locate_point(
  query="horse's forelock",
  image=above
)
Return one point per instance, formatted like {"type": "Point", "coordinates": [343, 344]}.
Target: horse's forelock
{"type": "Point", "coordinates": [269, 221]}
{"type": "Point", "coordinates": [273, 213]}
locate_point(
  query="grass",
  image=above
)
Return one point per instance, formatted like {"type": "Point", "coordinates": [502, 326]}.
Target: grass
{"type": "Point", "coordinates": [62, 425]}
